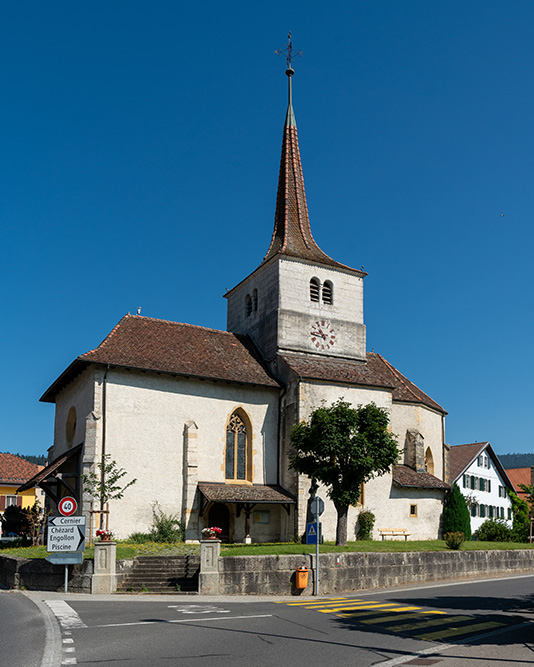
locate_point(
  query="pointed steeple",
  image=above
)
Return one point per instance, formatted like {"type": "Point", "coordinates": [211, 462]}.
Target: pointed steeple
{"type": "Point", "coordinates": [292, 232]}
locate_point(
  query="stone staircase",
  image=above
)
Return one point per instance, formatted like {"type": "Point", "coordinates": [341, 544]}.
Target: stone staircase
{"type": "Point", "coordinates": [163, 574]}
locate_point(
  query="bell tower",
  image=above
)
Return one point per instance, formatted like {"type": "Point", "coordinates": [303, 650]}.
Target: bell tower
{"type": "Point", "coordinates": [298, 299]}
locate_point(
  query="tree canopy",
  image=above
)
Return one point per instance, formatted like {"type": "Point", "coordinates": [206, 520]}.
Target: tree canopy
{"type": "Point", "coordinates": [342, 447]}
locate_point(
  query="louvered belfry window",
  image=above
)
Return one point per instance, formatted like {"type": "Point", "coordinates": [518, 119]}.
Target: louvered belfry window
{"type": "Point", "coordinates": [314, 289]}
{"type": "Point", "coordinates": [328, 293]}
{"type": "Point", "coordinates": [236, 448]}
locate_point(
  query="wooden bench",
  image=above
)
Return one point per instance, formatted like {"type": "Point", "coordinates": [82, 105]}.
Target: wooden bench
{"type": "Point", "coordinates": [400, 532]}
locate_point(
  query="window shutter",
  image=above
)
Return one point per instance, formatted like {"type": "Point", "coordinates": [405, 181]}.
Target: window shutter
{"type": "Point", "coordinates": [489, 484]}
{"type": "Point", "coordinates": [2, 503]}
{"type": "Point", "coordinates": [19, 501]}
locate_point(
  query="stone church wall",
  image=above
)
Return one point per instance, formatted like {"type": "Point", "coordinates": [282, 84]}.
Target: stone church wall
{"type": "Point", "coordinates": [146, 429]}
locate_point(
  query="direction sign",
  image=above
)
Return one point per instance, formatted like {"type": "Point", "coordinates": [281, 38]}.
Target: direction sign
{"type": "Point", "coordinates": [65, 558]}
{"type": "Point", "coordinates": [66, 533]}
{"type": "Point", "coordinates": [67, 506]}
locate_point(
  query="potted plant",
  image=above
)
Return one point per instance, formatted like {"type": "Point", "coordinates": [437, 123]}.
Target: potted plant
{"type": "Point", "coordinates": [104, 535]}
{"type": "Point", "coordinates": [212, 533]}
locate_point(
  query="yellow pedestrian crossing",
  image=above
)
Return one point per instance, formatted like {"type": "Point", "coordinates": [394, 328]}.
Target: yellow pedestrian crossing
{"type": "Point", "coordinates": [398, 618]}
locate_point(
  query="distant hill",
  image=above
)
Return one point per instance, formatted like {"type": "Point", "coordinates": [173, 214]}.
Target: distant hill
{"type": "Point", "coordinates": [40, 459]}
{"type": "Point", "coordinates": [516, 460]}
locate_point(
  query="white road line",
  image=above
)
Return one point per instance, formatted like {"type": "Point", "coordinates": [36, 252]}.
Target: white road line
{"type": "Point", "coordinates": [182, 620]}
{"type": "Point", "coordinates": [65, 614]}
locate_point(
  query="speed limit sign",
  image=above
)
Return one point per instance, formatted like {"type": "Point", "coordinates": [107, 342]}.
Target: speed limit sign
{"type": "Point", "coordinates": [67, 506]}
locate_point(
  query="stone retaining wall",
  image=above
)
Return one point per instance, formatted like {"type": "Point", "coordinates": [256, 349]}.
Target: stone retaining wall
{"type": "Point", "coordinates": [345, 572]}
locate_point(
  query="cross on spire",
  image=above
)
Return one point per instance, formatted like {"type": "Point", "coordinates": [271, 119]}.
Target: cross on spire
{"type": "Point", "coordinates": [289, 52]}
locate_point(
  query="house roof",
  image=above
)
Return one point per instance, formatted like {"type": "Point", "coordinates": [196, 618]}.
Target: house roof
{"type": "Point", "coordinates": [157, 345]}
{"type": "Point", "coordinates": [266, 494]}
{"type": "Point", "coordinates": [519, 476]}
{"type": "Point", "coordinates": [15, 470]}
{"type": "Point", "coordinates": [462, 456]}
{"type": "Point", "coordinates": [377, 372]}
{"type": "Point", "coordinates": [404, 476]}
{"type": "Point", "coordinates": [292, 234]}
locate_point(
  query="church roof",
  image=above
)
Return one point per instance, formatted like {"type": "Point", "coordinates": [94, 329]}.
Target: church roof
{"type": "Point", "coordinates": [245, 493]}
{"type": "Point", "coordinates": [292, 232]}
{"type": "Point", "coordinates": [15, 470]}
{"type": "Point", "coordinates": [157, 345]}
{"type": "Point", "coordinates": [407, 477]}
{"type": "Point", "coordinates": [376, 372]}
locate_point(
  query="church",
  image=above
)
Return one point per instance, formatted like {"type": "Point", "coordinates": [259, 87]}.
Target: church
{"type": "Point", "coordinates": [202, 417]}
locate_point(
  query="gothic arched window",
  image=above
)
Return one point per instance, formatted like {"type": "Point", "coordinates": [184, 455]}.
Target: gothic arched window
{"type": "Point", "coordinates": [315, 288]}
{"type": "Point", "coordinates": [328, 293]}
{"type": "Point", "coordinates": [238, 464]}
{"type": "Point", "coordinates": [255, 300]}
{"type": "Point", "coordinates": [429, 461]}
{"type": "Point", "coordinates": [248, 305]}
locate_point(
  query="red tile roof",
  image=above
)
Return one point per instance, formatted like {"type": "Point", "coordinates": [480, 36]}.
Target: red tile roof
{"type": "Point", "coordinates": [245, 493]}
{"type": "Point", "coordinates": [377, 372]}
{"type": "Point", "coordinates": [462, 456]}
{"type": "Point", "coordinates": [171, 347]}
{"type": "Point", "coordinates": [14, 470]}
{"type": "Point", "coordinates": [404, 476]}
{"type": "Point", "coordinates": [520, 476]}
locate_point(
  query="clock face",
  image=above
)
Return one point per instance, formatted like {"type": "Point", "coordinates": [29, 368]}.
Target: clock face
{"type": "Point", "coordinates": [322, 335]}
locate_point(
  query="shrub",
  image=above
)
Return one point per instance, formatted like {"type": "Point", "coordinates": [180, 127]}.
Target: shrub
{"type": "Point", "coordinates": [454, 540]}
{"type": "Point", "coordinates": [166, 527]}
{"type": "Point", "coordinates": [366, 519]}
{"type": "Point", "coordinates": [494, 530]}
{"type": "Point", "coordinates": [456, 518]}
{"type": "Point", "coordinates": [521, 521]}
{"type": "Point", "coordinates": [140, 538]}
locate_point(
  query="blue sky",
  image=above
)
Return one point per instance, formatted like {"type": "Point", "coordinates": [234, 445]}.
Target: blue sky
{"type": "Point", "coordinates": [141, 144]}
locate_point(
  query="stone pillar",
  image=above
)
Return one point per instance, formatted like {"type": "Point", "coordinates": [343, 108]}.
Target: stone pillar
{"type": "Point", "coordinates": [414, 455]}
{"type": "Point", "coordinates": [104, 576]}
{"type": "Point", "coordinates": [190, 502]}
{"type": "Point", "coordinates": [208, 582]}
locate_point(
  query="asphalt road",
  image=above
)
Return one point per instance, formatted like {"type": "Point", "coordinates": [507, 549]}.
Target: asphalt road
{"type": "Point", "coordinates": [451, 625]}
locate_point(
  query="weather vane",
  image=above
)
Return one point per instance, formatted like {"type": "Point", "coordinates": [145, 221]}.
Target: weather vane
{"type": "Point", "coordinates": [289, 52]}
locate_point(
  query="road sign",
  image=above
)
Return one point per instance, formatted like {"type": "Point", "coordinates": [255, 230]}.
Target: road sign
{"type": "Point", "coordinates": [66, 533]}
{"type": "Point", "coordinates": [67, 506]}
{"type": "Point", "coordinates": [317, 506]}
{"type": "Point", "coordinates": [66, 558]}
{"type": "Point", "coordinates": [312, 533]}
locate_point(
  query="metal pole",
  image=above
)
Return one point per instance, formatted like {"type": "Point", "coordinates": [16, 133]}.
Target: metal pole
{"type": "Point", "coordinates": [317, 559]}
{"type": "Point", "coordinates": [66, 577]}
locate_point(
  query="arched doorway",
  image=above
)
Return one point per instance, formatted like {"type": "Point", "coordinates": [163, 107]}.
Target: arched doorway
{"type": "Point", "coordinates": [219, 515]}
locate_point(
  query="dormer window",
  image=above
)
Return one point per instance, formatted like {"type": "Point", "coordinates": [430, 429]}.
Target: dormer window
{"type": "Point", "coordinates": [328, 296]}
{"type": "Point", "coordinates": [315, 288]}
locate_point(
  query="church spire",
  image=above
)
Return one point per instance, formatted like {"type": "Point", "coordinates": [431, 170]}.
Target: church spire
{"type": "Point", "coordinates": [292, 233]}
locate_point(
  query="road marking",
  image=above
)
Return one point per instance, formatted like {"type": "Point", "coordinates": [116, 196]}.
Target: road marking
{"type": "Point", "coordinates": [65, 614]}
{"type": "Point", "coordinates": [198, 609]}
{"type": "Point", "coordinates": [420, 622]}
{"type": "Point", "coordinates": [362, 605]}
{"type": "Point", "coordinates": [390, 619]}
{"type": "Point", "coordinates": [455, 632]}
{"type": "Point", "coordinates": [182, 620]}
{"type": "Point", "coordinates": [317, 602]}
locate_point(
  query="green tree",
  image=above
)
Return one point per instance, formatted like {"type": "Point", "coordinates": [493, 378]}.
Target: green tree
{"type": "Point", "coordinates": [521, 521]}
{"type": "Point", "coordinates": [456, 517]}
{"type": "Point", "coordinates": [342, 447]}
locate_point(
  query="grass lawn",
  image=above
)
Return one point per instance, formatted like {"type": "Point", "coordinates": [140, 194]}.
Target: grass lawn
{"type": "Point", "coordinates": [127, 549]}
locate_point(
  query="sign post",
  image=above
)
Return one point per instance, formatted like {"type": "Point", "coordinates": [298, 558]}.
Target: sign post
{"type": "Point", "coordinates": [317, 508]}
{"type": "Point", "coordinates": [66, 539]}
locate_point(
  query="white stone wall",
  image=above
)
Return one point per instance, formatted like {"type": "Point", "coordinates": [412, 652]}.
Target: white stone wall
{"type": "Point", "coordinates": [145, 420]}
{"type": "Point", "coordinates": [78, 394]}
{"type": "Point", "coordinates": [485, 498]}
{"type": "Point", "coordinates": [428, 422]}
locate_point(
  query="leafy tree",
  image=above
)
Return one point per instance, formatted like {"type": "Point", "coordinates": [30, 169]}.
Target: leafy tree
{"type": "Point", "coordinates": [14, 521]}
{"type": "Point", "coordinates": [521, 521]}
{"type": "Point", "coordinates": [342, 447]}
{"type": "Point", "coordinates": [456, 517]}
{"type": "Point", "coordinates": [36, 518]}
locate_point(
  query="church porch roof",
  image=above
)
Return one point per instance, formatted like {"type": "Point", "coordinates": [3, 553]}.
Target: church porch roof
{"type": "Point", "coordinates": [404, 476]}
{"type": "Point", "coordinates": [265, 494]}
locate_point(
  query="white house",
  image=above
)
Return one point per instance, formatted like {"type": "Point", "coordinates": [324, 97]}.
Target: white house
{"type": "Point", "coordinates": [202, 417]}
{"type": "Point", "coordinates": [483, 481]}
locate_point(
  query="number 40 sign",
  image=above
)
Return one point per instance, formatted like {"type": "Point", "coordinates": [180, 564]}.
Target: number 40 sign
{"type": "Point", "coordinates": [67, 506]}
